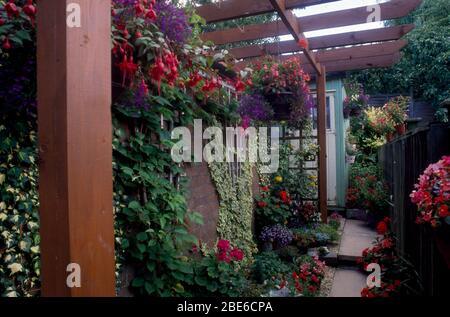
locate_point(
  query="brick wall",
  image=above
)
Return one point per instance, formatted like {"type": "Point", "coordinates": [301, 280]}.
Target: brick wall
{"type": "Point", "coordinates": [203, 198]}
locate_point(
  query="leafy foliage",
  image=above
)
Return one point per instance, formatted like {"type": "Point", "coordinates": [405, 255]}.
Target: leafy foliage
{"type": "Point", "coordinates": [19, 219]}
{"type": "Point", "coordinates": [151, 210]}
{"type": "Point", "coordinates": [425, 62]}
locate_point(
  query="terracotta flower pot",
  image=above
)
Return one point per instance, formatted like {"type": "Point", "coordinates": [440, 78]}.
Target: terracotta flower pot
{"type": "Point", "coordinates": [401, 129]}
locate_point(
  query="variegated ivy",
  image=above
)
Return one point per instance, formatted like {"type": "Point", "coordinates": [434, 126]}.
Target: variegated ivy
{"type": "Point", "coordinates": [236, 205]}
{"type": "Point", "coordinates": [19, 220]}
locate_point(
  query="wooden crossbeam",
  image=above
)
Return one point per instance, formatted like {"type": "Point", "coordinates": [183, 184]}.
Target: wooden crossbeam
{"type": "Point", "coordinates": [327, 41]}
{"type": "Point", "coordinates": [290, 21]}
{"type": "Point", "coordinates": [342, 59]}
{"type": "Point", "coordinates": [233, 9]}
{"type": "Point", "coordinates": [393, 9]}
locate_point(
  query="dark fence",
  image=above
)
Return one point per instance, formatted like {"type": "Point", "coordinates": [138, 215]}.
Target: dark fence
{"type": "Point", "coordinates": [403, 161]}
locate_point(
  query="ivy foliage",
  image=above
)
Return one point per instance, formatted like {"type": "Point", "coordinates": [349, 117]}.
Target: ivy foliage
{"type": "Point", "coordinates": [236, 205]}
{"type": "Point", "coordinates": [151, 209]}
{"type": "Point", "coordinates": [19, 219]}
{"type": "Point", "coordinates": [424, 66]}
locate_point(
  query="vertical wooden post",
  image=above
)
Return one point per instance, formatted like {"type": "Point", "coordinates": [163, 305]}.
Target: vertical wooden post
{"type": "Point", "coordinates": [74, 117]}
{"type": "Point", "coordinates": [322, 136]}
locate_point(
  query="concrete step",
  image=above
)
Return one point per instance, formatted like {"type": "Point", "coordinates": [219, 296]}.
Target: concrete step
{"type": "Point", "coordinates": [355, 238]}
{"type": "Point", "coordinates": [348, 282]}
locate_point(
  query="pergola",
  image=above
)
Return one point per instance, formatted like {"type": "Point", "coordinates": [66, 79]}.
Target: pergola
{"type": "Point", "coordinates": [74, 116]}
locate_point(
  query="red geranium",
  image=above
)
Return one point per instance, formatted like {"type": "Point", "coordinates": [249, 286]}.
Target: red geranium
{"type": "Point", "coordinates": [382, 228]}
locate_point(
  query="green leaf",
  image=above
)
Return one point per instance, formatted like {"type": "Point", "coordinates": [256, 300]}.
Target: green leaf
{"type": "Point", "coordinates": [141, 236]}
{"type": "Point", "coordinates": [138, 282]}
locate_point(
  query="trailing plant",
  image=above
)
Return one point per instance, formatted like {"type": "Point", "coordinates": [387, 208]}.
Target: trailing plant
{"type": "Point", "coordinates": [235, 205]}
{"type": "Point", "coordinates": [19, 203]}
{"type": "Point", "coordinates": [285, 86]}
{"type": "Point", "coordinates": [356, 101]}
{"type": "Point", "coordinates": [152, 211]}
{"type": "Point", "coordinates": [276, 236]}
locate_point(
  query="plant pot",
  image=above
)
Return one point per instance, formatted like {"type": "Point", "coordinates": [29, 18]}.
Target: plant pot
{"type": "Point", "coordinates": [281, 104]}
{"type": "Point", "coordinates": [401, 129]}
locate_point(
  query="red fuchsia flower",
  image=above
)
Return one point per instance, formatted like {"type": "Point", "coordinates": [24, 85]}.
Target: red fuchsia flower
{"type": "Point", "coordinates": [303, 43]}
{"type": "Point", "coordinates": [30, 10]}
{"type": "Point", "coordinates": [312, 288]}
{"type": "Point", "coordinates": [265, 188]}
{"type": "Point", "coordinates": [245, 122]}
{"type": "Point", "coordinates": [223, 245]}
{"type": "Point", "coordinates": [6, 44]}
{"type": "Point", "coordinates": [237, 254]}
{"type": "Point", "coordinates": [443, 211]}
{"type": "Point", "coordinates": [12, 10]}
{"type": "Point", "coordinates": [151, 15]}
{"type": "Point", "coordinates": [194, 79]}
{"type": "Point", "coordinates": [382, 228]}
{"type": "Point", "coordinates": [239, 85]}
{"type": "Point", "coordinates": [315, 279]}
{"type": "Point", "coordinates": [262, 204]}
{"type": "Point", "coordinates": [128, 68]}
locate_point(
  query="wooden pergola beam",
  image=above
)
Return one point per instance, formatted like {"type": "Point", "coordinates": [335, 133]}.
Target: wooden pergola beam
{"type": "Point", "coordinates": [234, 9]}
{"type": "Point", "coordinates": [75, 149]}
{"type": "Point", "coordinates": [393, 9]}
{"type": "Point", "coordinates": [348, 58]}
{"type": "Point", "coordinates": [290, 21]}
{"type": "Point", "coordinates": [327, 41]}
{"type": "Point", "coordinates": [322, 141]}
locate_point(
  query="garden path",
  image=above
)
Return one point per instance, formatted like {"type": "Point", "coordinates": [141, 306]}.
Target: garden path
{"type": "Point", "coordinates": [348, 279]}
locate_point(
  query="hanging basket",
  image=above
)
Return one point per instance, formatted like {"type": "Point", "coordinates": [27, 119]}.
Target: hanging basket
{"type": "Point", "coordinates": [281, 104]}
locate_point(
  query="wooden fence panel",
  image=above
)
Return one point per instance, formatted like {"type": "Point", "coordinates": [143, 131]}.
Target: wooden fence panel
{"type": "Point", "coordinates": [403, 161]}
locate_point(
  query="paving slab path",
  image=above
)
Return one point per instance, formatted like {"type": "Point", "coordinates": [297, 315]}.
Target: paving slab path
{"type": "Point", "coordinates": [349, 280]}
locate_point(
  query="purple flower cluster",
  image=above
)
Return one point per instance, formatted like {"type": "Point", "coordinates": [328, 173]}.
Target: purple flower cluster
{"type": "Point", "coordinates": [18, 84]}
{"type": "Point", "coordinates": [278, 234]}
{"type": "Point", "coordinates": [172, 21]}
{"type": "Point", "coordinates": [255, 108]}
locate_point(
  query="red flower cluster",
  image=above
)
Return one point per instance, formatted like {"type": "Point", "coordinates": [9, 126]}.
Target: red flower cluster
{"type": "Point", "coordinates": [386, 290]}
{"type": "Point", "coordinates": [226, 254]}
{"type": "Point", "coordinates": [432, 193]}
{"type": "Point", "coordinates": [310, 276]}
{"type": "Point", "coordinates": [13, 12]}
{"type": "Point", "coordinates": [352, 197]}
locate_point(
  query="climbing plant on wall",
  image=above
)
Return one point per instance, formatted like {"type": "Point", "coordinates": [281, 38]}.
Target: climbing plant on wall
{"type": "Point", "coordinates": [236, 205]}
{"type": "Point", "coordinates": [19, 219]}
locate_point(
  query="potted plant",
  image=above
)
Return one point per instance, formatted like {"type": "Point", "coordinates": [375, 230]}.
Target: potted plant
{"type": "Point", "coordinates": [356, 100]}
{"type": "Point", "coordinates": [381, 122]}
{"type": "Point", "coordinates": [396, 109]}
{"type": "Point", "coordinates": [284, 86]}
